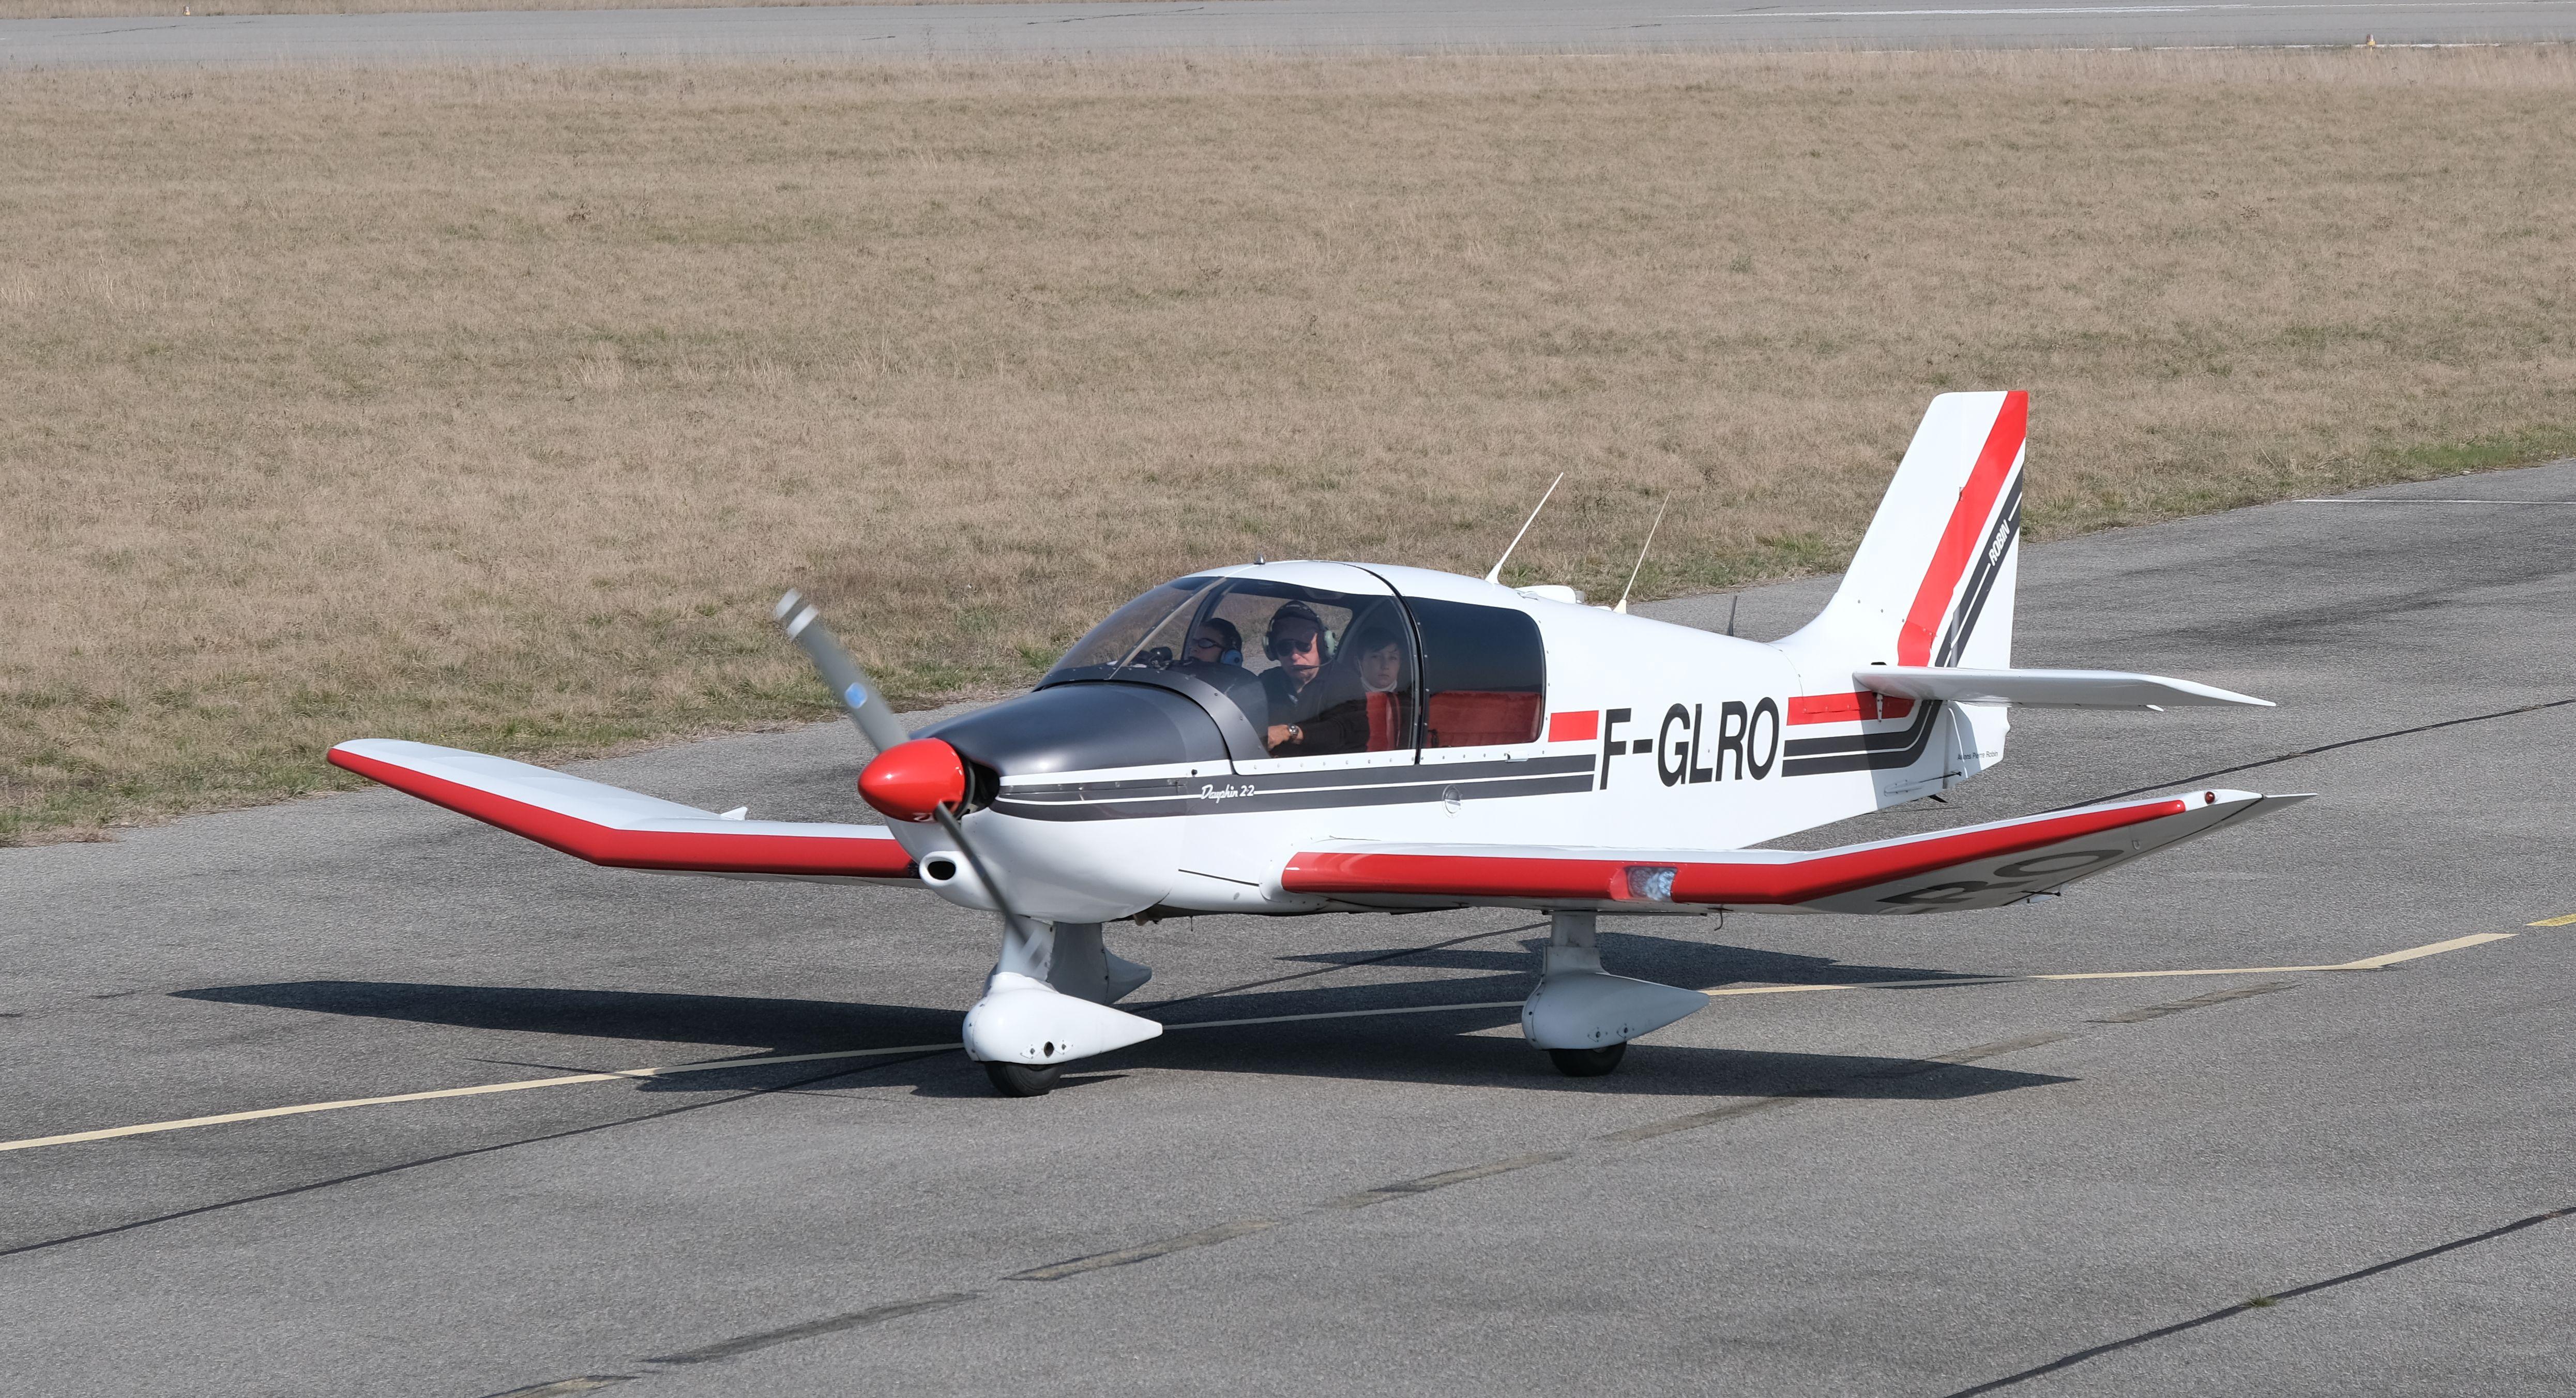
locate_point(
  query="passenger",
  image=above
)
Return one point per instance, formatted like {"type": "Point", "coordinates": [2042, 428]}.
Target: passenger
{"type": "Point", "coordinates": [1378, 658]}
{"type": "Point", "coordinates": [1214, 641]}
{"type": "Point", "coordinates": [1310, 705]}
{"type": "Point", "coordinates": [1381, 693]}
{"type": "Point", "coordinates": [1215, 657]}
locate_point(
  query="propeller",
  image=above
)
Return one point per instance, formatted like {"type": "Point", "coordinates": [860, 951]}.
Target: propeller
{"type": "Point", "coordinates": [849, 684]}
{"type": "Point", "coordinates": [910, 779]}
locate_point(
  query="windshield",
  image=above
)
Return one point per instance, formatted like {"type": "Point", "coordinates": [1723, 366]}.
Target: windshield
{"type": "Point", "coordinates": [1119, 640]}
{"type": "Point", "coordinates": [1310, 672]}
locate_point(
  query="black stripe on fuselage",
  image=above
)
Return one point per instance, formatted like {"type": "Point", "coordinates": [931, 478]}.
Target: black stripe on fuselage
{"type": "Point", "coordinates": [1232, 793]}
{"type": "Point", "coordinates": [1861, 752]}
{"type": "Point", "coordinates": [1981, 583]}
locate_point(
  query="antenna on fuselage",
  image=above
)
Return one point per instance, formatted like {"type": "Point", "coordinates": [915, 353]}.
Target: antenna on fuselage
{"type": "Point", "coordinates": [1495, 573]}
{"type": "Point", "coordinates": [1622, 608]}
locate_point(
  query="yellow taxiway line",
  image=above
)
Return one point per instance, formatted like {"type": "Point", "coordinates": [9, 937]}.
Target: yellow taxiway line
{"type": "Point", "coordinates": [2367, 963]}
{"type": "Point", "coordinates": [106, 1133]}
{"type": "Point", "coordinates": [522, 1085]}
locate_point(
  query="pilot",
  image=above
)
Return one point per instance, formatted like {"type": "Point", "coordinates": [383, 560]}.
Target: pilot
{"type": "Point", "coordinates": [1314, 708]}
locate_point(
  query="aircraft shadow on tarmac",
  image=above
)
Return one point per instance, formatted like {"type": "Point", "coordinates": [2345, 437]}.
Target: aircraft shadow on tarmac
{"type": "Point", "coordinates": [1676, 960]}
{"type": "Point", "coordinates": [1439, 1048]}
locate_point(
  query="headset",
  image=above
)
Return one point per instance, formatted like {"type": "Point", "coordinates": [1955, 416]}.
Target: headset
{"type": "Point", "coordinates": [1232, 653]}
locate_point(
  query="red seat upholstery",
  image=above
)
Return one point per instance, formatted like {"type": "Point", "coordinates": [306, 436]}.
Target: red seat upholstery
{"type": "Point", "coordinates": [1389, 726]}
{"type": "Point", "coordinates": [1468, 718]}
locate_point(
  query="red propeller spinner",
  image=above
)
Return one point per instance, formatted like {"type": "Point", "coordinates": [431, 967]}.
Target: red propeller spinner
{"type": "Point", "coordinates": [910, 780]}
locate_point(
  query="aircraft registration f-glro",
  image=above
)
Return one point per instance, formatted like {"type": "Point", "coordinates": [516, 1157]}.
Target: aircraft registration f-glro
{"type": "Point", "coordinates": [1406, 739]}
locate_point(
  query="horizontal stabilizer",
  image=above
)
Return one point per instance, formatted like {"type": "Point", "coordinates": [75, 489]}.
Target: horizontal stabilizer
{"type": "Point", "coordinates": [2071, 689]}
{"type": "Point", "coordinates": [624, 829]}
{"type": "Point", "coordinates": [1981, 866]}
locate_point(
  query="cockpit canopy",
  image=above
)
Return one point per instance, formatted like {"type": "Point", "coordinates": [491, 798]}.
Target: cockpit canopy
{"type": "Point", "coordinates": [1294, 670]}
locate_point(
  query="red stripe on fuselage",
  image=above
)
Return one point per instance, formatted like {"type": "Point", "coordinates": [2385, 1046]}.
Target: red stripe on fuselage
{"type": "Point", "coordinates": [1861, 706]}
{"type": "Point", "coordinates": [1797, 881]}
{"type": "Point", "coordinates": [682, 851]}
{"type": "Point", "coordinates": [1967, 526]}
{"type": "Point", "coordinates": [1578, 726]}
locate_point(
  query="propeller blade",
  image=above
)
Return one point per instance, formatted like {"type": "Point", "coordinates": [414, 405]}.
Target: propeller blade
{"type": "Point", "coordinates": [849, 684]}
{"type": "Point", "coordinates": [1022, 939]}
{"type": "Point", "coordinates": [1025, 945]}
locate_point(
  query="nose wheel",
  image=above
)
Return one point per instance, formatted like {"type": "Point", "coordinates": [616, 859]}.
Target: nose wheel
{"type": "Point", "coordinates": [1035, 1079]}
{"type": "Point", "coordinates": [1582, 1062]}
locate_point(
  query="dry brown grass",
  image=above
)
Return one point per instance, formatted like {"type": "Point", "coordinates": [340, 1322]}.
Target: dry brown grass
{"type": "Point", "coordinates": [493, 406]}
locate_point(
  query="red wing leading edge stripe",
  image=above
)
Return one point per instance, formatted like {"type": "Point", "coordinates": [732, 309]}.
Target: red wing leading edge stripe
{"type": "Point", "coordinates": [672, 850]}
{"type": "Point", "coordinates": [1788, 881]}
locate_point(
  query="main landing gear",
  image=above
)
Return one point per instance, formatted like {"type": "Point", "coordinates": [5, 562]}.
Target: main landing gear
{"type": "Point", "coordinates": [1047, 1004]}
{"type": "Point", "coordinates": [1582, 1015]}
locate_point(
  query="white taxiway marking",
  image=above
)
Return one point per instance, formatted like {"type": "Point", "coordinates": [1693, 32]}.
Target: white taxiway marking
{"type": "Point", "coordinates": [1787, 13]}
{"type": "Point", "coordinates": [2012, 10]}
{"type": "Point", "coordinates": [2382, 500]}
{"type": "Point", "coordinates": [2367, 963]}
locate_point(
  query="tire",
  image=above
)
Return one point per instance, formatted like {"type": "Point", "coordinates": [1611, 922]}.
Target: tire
{"type": "Point", "coordinates": [1588, 1063]}
{"type": "Point", "coordinates": [1024, 1079]}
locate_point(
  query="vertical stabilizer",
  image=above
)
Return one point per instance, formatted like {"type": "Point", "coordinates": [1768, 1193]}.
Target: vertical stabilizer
{"type": "Point", "coordinates": [1932, 583]}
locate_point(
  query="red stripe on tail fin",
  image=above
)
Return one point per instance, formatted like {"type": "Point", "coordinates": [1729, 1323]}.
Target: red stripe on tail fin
{"type": "Point", "coordinates": [1967, 525]}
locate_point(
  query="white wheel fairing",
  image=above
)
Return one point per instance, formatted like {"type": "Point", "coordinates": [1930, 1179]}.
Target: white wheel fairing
{"type": "Point", "coordinates": [1022, 1020]}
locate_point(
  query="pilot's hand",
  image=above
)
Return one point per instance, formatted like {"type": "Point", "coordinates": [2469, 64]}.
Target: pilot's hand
{"type": "Point", "coordinates": [1282, 734]}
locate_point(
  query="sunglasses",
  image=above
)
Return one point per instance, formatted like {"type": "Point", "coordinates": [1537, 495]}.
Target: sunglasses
{"type": "Point", "coordinates": [1207, 643]}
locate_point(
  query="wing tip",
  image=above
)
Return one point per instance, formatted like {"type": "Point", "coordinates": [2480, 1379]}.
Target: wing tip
{"type": "Point", "coordinates": [347, 755]}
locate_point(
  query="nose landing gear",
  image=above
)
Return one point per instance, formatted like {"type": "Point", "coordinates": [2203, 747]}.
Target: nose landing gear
{"type": "Point", "coordinates": [1023, 1079]}
{"type": "Point", "coordinates": [1047, 1004]}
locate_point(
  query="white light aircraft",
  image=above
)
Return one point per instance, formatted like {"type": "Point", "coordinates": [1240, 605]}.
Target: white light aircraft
{"type": "Point", "coordinates": [1406, 739]}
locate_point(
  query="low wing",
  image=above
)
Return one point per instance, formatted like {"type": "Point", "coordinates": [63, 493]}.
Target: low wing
{"type": "Point", "coordinates": [1981, 866]}
{"type": "Point", "coordinates": [2077, 689]}
{"type": "Point", "coordinates": [625, 829]}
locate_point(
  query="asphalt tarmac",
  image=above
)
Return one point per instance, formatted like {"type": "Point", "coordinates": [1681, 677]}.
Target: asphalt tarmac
{"type": "Point", "coordinates": [1269, 27]}
{"type": "Point", "coordinates": [2263, 1181]}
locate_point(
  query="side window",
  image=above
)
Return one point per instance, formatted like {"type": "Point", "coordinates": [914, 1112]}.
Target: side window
{"type": "Point", "coordinates": [1319, 674]}
{"type": "Point", "coordinates": [1484, 675]}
